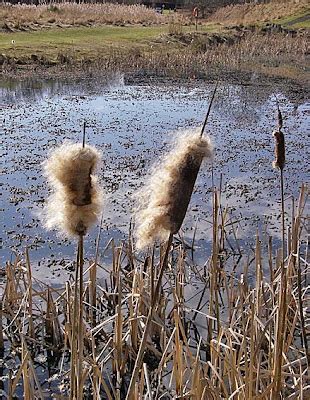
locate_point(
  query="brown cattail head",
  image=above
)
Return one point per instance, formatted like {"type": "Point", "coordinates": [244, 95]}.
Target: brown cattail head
{"type": "Point", "coordinates": [76, 200]}
{"type": "Point", "coordinates": [279, 162]}
{"type": "Point", "coordinates": [164, 200]}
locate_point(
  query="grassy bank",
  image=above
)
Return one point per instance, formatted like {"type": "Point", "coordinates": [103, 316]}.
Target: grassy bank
{"type": "Point", "coordinates": [136, 39]}
{"type": "Point", "coordinates": [154, 51]}
{"type": "Point", "coordinates": [92, 41]}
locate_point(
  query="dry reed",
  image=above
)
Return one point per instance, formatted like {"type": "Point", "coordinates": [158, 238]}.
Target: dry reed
{"type": "Point", "coordinates": [31, 17]}
{"type": "Point", "coordinates": [250, 13]}
{"type": "Point", "coordinates": [180, 359]}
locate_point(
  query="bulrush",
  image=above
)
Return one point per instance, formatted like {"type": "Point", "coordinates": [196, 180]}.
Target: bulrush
{"type": "Point", "coordinates": [76, 201]}
{"type": "Point", "coordinates": [163, 205]}
{"type": "Point", "coordinates": [73, 207]}
{"type": "Point", "coordinates": [165, 198]}
{"type": "Point", "coordinates": [279, 163]}
{"type": "Point", "coordinates": [279, 150]}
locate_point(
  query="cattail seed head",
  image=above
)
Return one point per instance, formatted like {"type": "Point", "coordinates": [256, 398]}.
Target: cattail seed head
{"type": "Point", "coordinates": [76, 201]}
{"type": "Point", "coordinates": [165, 198]}
{"type": "Point", "coordinates": [279, 161]}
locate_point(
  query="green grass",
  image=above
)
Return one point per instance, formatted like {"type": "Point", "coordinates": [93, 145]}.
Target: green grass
{"type": "Point", "coordinates": [86, 40]}
{"type": "Point", "coordinates": [82, 36]}
{"type": "Point", "coordinates": [296, 21]}
{"type": "Point", "coordinates": [304, 25]}
{"type": "Point", "coordinates": [133, 46]}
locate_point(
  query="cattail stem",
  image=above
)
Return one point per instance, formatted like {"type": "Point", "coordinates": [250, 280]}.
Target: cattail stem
{"type": "Point", "coordinates": [280, 335]}
{"type": "Point", "coordinates": [77, 327]}
{"type": "Point", "coordinates": [209, 109]}
{"type": "Point", "coordinates": [1, 332]}
{"type": "Point", "coordinates": [282, 214]}
{"type": "Point", "coordinates": [29, 275]}
{"type": "Point", "coordinates": [301, 312]}
{"type": "Point", "coordinates": [74, 331]}
{"type": "Point", "coordinates": [282, 291]}
{"type": "Point", "coordinates": [148, 323]}
{"type": "Point", "coordinates": [80, 322]}
{"type": "Point", "coordinates": [84, 134]}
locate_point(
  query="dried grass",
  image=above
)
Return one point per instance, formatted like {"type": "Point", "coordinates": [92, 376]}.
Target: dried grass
{"type": "Point", "coordinates": [165, 198]}
{"type": "Point", "coordinates": [255, 53]}
{"type": "Point", "coordinates": [250, 13]}
{"type": "Point", "coordinates": [180, 359]}
{"type": "Point", "coordinates": [78, 14]}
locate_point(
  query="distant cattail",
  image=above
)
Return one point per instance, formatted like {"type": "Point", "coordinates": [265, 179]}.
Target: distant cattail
{"type": "Point", "coordinates": [76, 201]}
{"type": "Point", "coordinates": [166, 196]}
{"type": "Point", "coordinates": [279, 161]}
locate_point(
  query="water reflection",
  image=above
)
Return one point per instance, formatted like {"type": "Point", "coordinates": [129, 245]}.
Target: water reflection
{"type": "Point", "coordinates": [33, 89]}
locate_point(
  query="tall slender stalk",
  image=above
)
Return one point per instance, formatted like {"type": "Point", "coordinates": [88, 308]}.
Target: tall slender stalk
{"type": "Point", "coordinates": [1, 336]}
{"type": "Point", "coordinates": [74, 325]}
{"type": "Point", "coordinates": [148, 323]}
{"type": "Point", "coordinates": [209, 109]}
{"type": "Point", "coordinates": [282, 295]}
{"type": "Point", "coordinates": [80, 343]}
{"type": "Point", "coordinates": [282, 214]}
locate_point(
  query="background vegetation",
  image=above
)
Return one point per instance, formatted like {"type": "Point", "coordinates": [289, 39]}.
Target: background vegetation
{"type": "Point", "coordinates": [233, 40]}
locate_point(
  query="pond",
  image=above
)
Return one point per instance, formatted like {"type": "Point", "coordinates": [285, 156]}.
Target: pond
{"type": "Point", "coordinates": [133, 125]}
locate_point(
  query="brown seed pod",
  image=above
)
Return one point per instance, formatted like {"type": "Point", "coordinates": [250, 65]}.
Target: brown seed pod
{"type": "Point", "coordinates": [279, 161]}
{"type": "Point", "coordinates": [166, 196]}
{"type": "Point", "coordinates": [76, 201]}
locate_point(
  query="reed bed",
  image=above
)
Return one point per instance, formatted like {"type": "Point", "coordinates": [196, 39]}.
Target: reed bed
{"type": "Point", "coordinates": [78, 14]}
{"type": "Point", "coordinates": [176, 55]}
{"type": "Point", "coordinates": [213, 333]}
{"type": "Point", "coordinates": [254, 54]}
{"type": "Point", "coordinates": [250, 13]}
{"type": "Point", "coordinates": [274, 55]}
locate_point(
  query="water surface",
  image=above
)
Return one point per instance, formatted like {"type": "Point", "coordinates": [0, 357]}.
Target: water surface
{"type": "Point", "coordinates": [133, 125]}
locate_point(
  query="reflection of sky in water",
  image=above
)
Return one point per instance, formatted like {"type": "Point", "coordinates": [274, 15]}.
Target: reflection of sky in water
{"type": "Point", "coordinates": [132, 125]}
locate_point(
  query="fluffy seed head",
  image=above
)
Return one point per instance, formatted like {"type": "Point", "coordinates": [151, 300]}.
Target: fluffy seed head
{"type": "Point", "coordinates": [76, 201]}
{"type": "Point", "coordinates": [279, 150]}
{"type": "Point", "coordinates": [165, 198]}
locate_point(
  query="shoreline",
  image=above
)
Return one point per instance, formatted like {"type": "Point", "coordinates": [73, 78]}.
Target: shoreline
{"type": "Point", "coordinates": [76, 74]}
